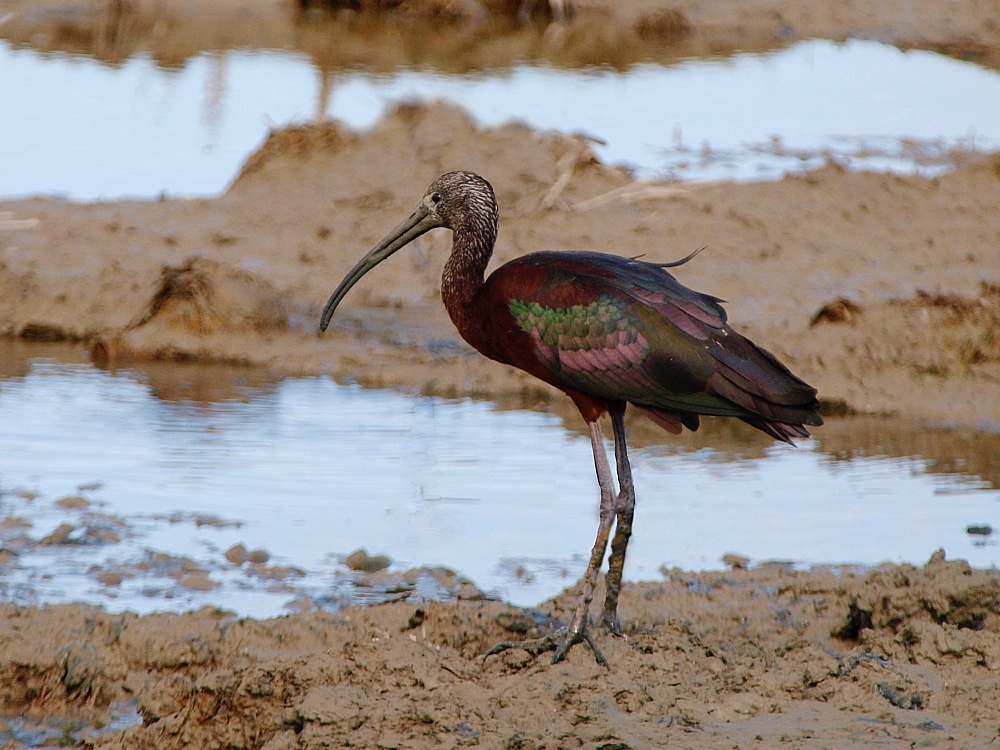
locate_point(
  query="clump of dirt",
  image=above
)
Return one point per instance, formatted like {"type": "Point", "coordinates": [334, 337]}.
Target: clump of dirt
{"type": "Point", "coordinates": [198, 299]}
{"type": "Point", "coordinates": [712, 659]}
{"type": "Point", "coordinates": [937, 335]}
{"type": "Point", "coordinates": [945, 593]}
{"type": "Point", "coordinates": [839, 311]}
{"type": "Point", "coordinates": [966, 329]}
{"type": "Point", "coordinates": [203, 297]}
{"type": "Point", "coordinates": [393, 163]}
{"type": "Point", "coordinates": [361, 560]}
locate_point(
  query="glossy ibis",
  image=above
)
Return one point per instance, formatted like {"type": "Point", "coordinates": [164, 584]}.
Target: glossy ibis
{"type": "Point", "coordinates": [608, 331]}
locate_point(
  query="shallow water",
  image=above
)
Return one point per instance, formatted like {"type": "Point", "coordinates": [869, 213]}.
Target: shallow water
{"type": "Point", "coordinates": [179, 471]}
{"type": "Point", "coordinates": [138, 130]}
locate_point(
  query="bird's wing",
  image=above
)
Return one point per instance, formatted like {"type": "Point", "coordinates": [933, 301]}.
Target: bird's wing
{"type": "Point", "coordinates": [595, 347]}
{"type": "Point", "coordinates": [615, 328]}
{"type": "Point", "coordinates": [627, 330]}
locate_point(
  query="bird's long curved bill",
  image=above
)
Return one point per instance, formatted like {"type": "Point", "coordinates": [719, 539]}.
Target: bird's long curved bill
{"type": "Point", "coordinates": [420, 221]}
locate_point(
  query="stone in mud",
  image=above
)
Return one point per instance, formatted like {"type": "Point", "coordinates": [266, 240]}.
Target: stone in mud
{"type": "Point", "coordinates": [360, 560]}
{"type": "Point", "coordinates": [73, 502]}
{"type": "Point", "coordinates": [736, 562]}
{"type": "Point", "coordinates": [197, 581]}
{"type": "Point", "coordinates": [111, 578]}
{"type": "Point", "coordinates": [258, 556]}
{"type": "Point", "coordinates": [59, 536]}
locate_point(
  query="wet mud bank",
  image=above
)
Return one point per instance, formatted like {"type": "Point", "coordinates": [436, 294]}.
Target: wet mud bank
{"type": "Point", "coordinates": [762, 657]}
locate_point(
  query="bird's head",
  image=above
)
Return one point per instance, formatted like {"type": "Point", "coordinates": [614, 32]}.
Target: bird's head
{"type": "Point", "coordinates": [463, 199]}
{"type": "Point", "coordinates": [456, 200]}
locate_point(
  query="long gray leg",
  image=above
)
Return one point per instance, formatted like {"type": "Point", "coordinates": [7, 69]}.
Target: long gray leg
{"type": "Point", "coordinates": [623, 528]}
{"type": "Point", "coordinates": [578, 628]}
{"type": "Point", "coordinates": [578, 625]}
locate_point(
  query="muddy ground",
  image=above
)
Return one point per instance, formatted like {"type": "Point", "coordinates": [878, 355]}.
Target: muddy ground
{"type": "Point", "coordinates": [898, 657]}
{"type": "Point", "coordinates": [883, 291]}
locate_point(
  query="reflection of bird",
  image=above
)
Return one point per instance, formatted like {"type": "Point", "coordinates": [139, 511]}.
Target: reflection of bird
{"type": "Point", "coordinates": [607, 331]}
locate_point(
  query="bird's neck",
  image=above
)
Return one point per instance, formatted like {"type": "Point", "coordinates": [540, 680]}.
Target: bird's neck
{"type": "Point", "coordinates": [464, 274]}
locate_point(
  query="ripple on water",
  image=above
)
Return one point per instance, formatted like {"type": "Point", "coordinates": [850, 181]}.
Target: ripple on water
{"type": "Point", "coordinates": [303, 472]}
{"type": "Point", "coordinates": [748, 116]}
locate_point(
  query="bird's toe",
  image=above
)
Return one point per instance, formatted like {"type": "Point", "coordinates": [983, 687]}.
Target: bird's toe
{"type": "Point", "coordinates": [579, 636]}
{"type": "Point", "coordinates": [611, 623]}
{"type": "Point", "coordinates": [560, 641]}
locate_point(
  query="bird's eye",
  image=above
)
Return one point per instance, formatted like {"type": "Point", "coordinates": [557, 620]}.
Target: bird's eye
{"type": "Point", "coordinates": [436, 198]}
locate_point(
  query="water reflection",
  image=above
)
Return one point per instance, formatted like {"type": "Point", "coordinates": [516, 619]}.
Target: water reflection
{"type": "Point", "coordinates": [185, 131]}
{"type": "Point", "coordinates": [170, 462]}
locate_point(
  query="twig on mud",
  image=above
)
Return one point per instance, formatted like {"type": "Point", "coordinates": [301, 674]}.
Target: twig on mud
{"type": "Point", "coordinates": [7, 218]}
{"type": "Point", "coordinates": [641, 189]}
{"type": "Point", "coordinates": [567, 165]}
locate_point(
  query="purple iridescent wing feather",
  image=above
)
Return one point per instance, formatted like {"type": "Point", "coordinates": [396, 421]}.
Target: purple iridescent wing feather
{"type": "Point", "coordinates": [628, 330]}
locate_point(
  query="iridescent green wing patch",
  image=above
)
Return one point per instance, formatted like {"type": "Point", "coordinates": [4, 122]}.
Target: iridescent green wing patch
{"type": "Point", "coordinates": [597, 346]}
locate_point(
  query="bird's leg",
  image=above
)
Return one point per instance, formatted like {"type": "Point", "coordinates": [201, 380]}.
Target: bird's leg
{"type": "Point", "coordinates": [625, 508]}
{"type": "Point", "coordinates": [578, 626]}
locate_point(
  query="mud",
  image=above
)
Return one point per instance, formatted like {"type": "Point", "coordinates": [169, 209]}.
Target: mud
{"type": "Point", "coordinates": [464, 35]}
{"type": "Point", "coordinates": [766, 657]}
{"type": "Point", "coordinates": [881, 290]}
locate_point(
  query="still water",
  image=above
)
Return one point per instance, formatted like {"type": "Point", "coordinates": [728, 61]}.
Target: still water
{"type": "Point", "coordinates": [310, 470]}
{"type": "Point", "coordinates": [77, 127]}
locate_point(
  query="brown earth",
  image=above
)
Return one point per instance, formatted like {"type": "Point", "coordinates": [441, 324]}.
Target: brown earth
{"type": "Point", "coordinates": [898, 657]}
{"type": "Point", "coordinates": [883, 291]}
{"type": "Point", "coordinates": [461, 35]}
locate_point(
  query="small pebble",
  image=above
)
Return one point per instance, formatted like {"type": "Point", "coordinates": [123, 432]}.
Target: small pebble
{"type": "Point", "coordinates": [736, 562]}
{"type": "Point", "coordinates": [361, 560]}
{"type": "Point", "coordinates": [73, 502]}
{"type": "Point", "coordinates": [237, 554]}
{"type": "Point", "coordinates": [197, 582]}
{"type": "Point", "coordinates": [59, 536]}
{"type": "Point", "coordinates": [258, 556]}
{"type": "Point", "coordinates": [15, 522]}
{"type": "Point", "coordinates": [110, 578]}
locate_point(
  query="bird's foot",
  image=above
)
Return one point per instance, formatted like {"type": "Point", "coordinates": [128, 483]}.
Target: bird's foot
{"type": "Point", "coordinates": [611, 623]}
{"type": "Point", "coordinates": [560, 641]}
{"type": "Point", "coordinates": [579, 635]}
{"type": "Point", "coordinates": [533, 646]}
